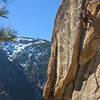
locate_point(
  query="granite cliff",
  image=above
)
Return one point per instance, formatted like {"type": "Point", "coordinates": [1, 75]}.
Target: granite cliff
{"type": "Point", "coordinates": [74, 65]}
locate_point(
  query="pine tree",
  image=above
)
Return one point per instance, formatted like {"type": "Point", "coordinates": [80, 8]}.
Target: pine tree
{"type": "Point", "coordinates": [6, 34]}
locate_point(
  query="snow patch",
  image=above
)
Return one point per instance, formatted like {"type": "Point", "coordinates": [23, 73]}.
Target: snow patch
{"type": "Point", "coordinates": [39, 42]}
{"type": "Point", "coordinates": [22, 47]}
{"type": "Point", "coordinates": [24, 39]}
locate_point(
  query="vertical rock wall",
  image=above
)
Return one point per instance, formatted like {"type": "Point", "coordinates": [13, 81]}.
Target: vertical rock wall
{"type": "Point", "coordinates": [74, 54]}
{"type": "Point", "coordinates": [87, 83]}
{"type": "Point", "coordinates": [64, 50]}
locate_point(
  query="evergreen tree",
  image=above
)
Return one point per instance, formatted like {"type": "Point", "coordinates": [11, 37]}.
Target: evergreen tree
{"type": "Point", "coordinates": [6, 34]}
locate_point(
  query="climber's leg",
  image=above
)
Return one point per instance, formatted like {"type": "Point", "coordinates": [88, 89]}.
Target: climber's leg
{"type": "Point", "coordinates": [85, 21]}
{"type": "Point", "coordinates": [84, 25]}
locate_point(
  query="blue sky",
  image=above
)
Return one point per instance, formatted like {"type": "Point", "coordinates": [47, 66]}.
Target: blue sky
{"type": "Point", "coordinates": [32, 18]}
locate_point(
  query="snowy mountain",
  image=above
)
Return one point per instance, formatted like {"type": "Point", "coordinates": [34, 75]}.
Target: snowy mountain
{"type": "Point", "coordinates": [23, 68]}
{"type": "Point", "coordinates": [31, 56]}
{"type": "Point", "coordinates": [13, 82]}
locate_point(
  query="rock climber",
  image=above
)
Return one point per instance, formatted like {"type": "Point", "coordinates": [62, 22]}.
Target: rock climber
{"type": "Point", "coordinates": [83, 15]}
{"type": "Point", "coordinates": [84, 18]}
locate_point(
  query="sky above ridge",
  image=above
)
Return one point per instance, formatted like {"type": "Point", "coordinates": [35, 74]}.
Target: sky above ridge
{"type": "Point", "coordinates": [32, 18]}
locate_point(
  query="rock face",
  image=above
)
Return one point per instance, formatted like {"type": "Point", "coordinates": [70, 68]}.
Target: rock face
{"type": "Point", "coordinates": [74, 65]}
